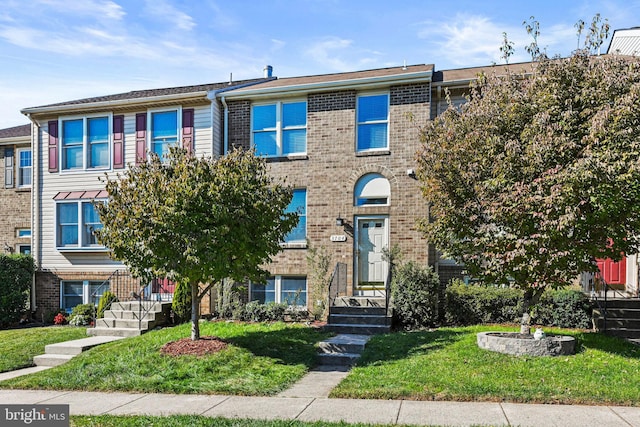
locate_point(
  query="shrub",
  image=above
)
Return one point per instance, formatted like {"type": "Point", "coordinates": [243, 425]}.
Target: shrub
{"type": "Point", "coordinates": [83, 310]}
{"type": "Point", "coordinates": [474, 304]}
{"type": "Point", "coordinates": [254, 311]}
{"type": "Point", "coordinates": [181, 304]}
{"type": "Point", "coordinates": [48, 316]}
{"type": "Point", "coordinates": [415, 295]}
{"type": "Point", "coordinates": [79, 320]}
{"type": "Point", "coordinates": [105, 302]}
{"type": "Point", "coordinates": [16, 273]}
{"type": "Point", "coordinates": [565, 308]}
{"type": "Point", "coordinates": [60, 319]}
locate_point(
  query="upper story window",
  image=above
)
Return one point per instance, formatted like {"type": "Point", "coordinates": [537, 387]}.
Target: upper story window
{"type": "Point", "coordinates": [85, 143]}
{"type": "Point", "coordinates": [298, 205]}
{"type": "Point", "coordinates": [164, 131]}
{"type": "Point", "coordinates": [372, 189]}
{"type": "Point", "coordinates": [24, 167]}
{"type": "Point", "coordinates": [76, 223]}
{"type": "Point", "coordinates": [280, 129]}
{"type": "Point", "coordinates": [373, 122]}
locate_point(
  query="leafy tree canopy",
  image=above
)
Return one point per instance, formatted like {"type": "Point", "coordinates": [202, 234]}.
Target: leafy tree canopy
{"type": "Point", "coordinates": [539, 172]}
{"type": "Point", "coordinates": [196, 220]}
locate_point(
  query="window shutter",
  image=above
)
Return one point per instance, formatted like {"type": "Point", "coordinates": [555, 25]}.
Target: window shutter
{"type": "Point", "coordinates": [118, 142]}
{"type": "Point", "coordinates": [141, 137]}
{"type": "Point", "coordinates": [53, 146]}
{"type": "Point", "coordinates": [8, 167]}
{"type": "Point", "coordinates": [187, 129]}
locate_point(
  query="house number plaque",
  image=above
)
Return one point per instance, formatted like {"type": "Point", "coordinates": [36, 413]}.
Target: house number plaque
{"type": "Point", "coordinates": [338, 238]}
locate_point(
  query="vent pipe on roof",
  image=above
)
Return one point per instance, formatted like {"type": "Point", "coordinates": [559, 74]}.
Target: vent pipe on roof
{"type": "Point", "coordinates": [268, 71]}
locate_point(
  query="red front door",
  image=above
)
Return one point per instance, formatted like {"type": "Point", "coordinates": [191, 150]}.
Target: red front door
{"type": "Point", "coordinates": [162, 286]}
{"type": "Point", "coordinates": [613, 273]}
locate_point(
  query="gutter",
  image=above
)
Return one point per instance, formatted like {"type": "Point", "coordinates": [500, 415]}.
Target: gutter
{"type": "Point", "coordinates": [35, 203]}
{"type": "Point", "coordinates": [110, 104]}
{"type": "Point", "coordinates": [362, 83]}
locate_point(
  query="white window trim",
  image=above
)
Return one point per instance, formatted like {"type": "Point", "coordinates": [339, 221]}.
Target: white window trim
{"type": "Point", "coordinates": [178, 110]}
{"type": "Point", "coordinates": [20, 245]}
{"type": "Point", "coordinates": [356, 195]}
{"type": "Point", "coordinates": [79, 247]}
{"type": "Point", "coordinates": [16, 161]}
{"type": "Point", "coordinates": [367, 94]}
{"type": "Point", "coordinates": [278, 288]}
{"type": "Point", "coordinates": [86, 291]}
{"type": "Point", "coordinates": [85, 144]}
{"type": "Point", "coordinates": [279, 127]}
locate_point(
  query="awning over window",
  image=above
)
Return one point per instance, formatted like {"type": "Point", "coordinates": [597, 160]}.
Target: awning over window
{"type": "Point", "coordinates": [81, 195]}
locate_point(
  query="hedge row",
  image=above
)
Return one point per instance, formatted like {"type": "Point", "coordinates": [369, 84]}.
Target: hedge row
{"type": "Point", "coordinates": [16, 273]}
{"type": "Point", "coordinates": [469, 305]}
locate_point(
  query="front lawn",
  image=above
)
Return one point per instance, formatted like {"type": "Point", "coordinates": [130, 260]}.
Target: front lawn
{"type": "Point", "coordinates": [19, 346]}
{"type": "Point", "coordinates": [446, 364]}
{"type": "Point", "coordinates": [261, 359]}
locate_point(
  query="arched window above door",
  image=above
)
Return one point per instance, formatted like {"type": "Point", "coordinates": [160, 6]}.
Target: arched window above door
{"type": "Point", "coordinates": [372, 189]}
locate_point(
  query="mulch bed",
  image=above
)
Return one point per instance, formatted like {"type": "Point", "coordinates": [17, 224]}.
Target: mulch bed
{"type": "Point", "coordinates": [201, 347]}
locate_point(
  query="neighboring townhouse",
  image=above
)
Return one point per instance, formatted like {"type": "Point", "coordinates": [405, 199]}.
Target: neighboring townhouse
{"type": "Point", "coordinates": [15, 189]}
{"type": "Point", "coordinates": [77, 142]}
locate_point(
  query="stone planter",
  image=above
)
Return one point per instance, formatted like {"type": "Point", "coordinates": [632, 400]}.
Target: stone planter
{"type": "Point", "coordinates": [524, 345]}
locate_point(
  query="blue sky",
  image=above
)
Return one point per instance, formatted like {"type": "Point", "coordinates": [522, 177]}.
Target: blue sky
{"type": "Point", "coordinates": [58, 50]}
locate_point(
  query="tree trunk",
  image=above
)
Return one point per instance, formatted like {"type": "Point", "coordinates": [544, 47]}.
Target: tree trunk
{"type": "Point", "coordinates": [195, 313]}
{"type": "Point", "coordinates": [531, 298]}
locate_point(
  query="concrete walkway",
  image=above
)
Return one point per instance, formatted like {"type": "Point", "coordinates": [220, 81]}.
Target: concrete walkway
{"type": "Point", "coordinates": [322, 409]}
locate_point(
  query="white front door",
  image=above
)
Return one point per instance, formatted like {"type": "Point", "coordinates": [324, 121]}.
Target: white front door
{"type": "Point", "coordinates": [372, 238]}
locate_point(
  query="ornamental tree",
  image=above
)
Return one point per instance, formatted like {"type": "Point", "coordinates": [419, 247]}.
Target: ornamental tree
{"type": "Point", "coordinates": [538, 173]}
{"type": "Point", "coordinates": [195, 220]}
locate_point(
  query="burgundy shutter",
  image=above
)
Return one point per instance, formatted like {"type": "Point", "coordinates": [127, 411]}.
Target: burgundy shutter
{"type": "Point", "coordinates": [187, 129]}
{"type": "Point", "coordinates": [118, 142]}
{"type": "Point", "coordinates": [53, 146]}
{"type": "Point", "coordinates": [141, 137]}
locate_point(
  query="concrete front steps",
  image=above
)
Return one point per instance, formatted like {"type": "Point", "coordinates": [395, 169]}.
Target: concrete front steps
{"type": "Point", "coordinates": [341, 350]}
{"type": "Point", "coordinates": [359, 316]}
{"type": "Point", "coordinates": [623, 318]}
{"type": "Point", "coordinates": [59, 353]}
{"type": "Point", "coordinates": [122, 320]}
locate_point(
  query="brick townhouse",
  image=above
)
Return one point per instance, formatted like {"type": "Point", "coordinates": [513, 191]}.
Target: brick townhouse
{"type": "Point", "coordinates": [15, 189]}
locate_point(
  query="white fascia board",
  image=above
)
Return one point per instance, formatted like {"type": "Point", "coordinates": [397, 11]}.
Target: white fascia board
{"type": "Point", "coordinates": [114, 103]}
{"type": "Point", "coordinates": [362, 83]}
{"type": "Point", "coordinates": [16, 140]}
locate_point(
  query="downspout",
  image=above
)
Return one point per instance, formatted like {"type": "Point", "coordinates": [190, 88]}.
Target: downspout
{"type": "Point", "coordinates": [225, 126]}
{"type": "Point", "coordinates": [35, 204]}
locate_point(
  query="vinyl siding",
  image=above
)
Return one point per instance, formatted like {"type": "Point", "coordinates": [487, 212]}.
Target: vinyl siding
{"type": "Point", "coordinates": [48, 257]}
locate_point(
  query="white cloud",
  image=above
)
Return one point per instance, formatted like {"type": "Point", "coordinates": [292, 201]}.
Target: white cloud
{"type": "Point", "coordinates": [96, 8]}
{"type": "Point", "coordinates": [469, 40]}
{"type": "Point", "coordinates": [165, 11]}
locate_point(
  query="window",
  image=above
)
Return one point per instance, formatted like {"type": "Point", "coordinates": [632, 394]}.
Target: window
{"type": "Point", "coordinates": [24, 249]}
{"type": "Point", "coordinates": [23, 233]}
{"type": "Point", "coordinates": [76, 223]}
{"type": "Point", "coordinates": [371, 189]}
{"type": "Point", "coordinates": [373, 119]}
{"type": "Point", "coordinates": [24, 167]}
{"type": "Point", "coordinates": [85, 143]}
{"type": "Point", "coordinates": [289, 290]}
{"type": "Point", "coordinates": [280, 129]}
{"type": "Point", "coordinates": [74, 292]}
{"type": "Point", "coordinates": [164, 131]}
{"type": "Point", "coordinates": [298, 205]}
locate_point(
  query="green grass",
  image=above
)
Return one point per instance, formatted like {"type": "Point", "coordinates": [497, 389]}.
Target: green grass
{"type": "Point", "coordinates": [197, 421]}
{"type": "Point", "coordinates": [18, 346]}
{"type": "Point", "coordinates": [262, 359]}
{"type": "Point", "coordinates": [446, 364]}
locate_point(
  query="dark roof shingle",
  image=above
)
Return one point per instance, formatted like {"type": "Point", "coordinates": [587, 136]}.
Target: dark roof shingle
{"type": "Point", "coordinates": [16, 131]}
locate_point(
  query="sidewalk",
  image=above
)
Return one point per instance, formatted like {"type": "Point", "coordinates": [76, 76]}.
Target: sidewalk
{"type": "Point", "coordinates": [325, 409]}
